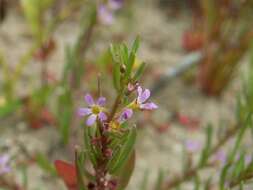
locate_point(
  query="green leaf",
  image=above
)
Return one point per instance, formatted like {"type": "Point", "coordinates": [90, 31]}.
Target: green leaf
{"type": "Point", "coordinates": [124, 54]}
{"type": "Point", "coordinates": [41, 95]}
{"type": "Point", "coordinates": [241, 186]}
{"type": "Point", "coordinates": [196, 183]}
{"type": "Point", "coordinates": [45, 164]}
{"type": "Point", "coordinates": [120, 157]}
{"type": "Point", "coordinates": [223, 176]}
{"type": "Point", "coordinates": [79, 163]}
{"type": "Point", "coordinates": [239, 137]}
{"type": "Point", "coordinates": [136, 45]}
{"type": "Point", "coordinates": [24, 176]}
{"type": "Point", "coordinates": [208, 184]}
{"type": "Point", "coordinates": [105, 59]}
{"type": "Point", "coordinates": [126, 172]}
{"type": "Point", "coordinates": [10, 107]}
{"type": "Point", "coordinates": [251, 56]}
{"type": "Point", "coordinates": [34, 11]}
{"type": "Point", "coordinates": [239, 166]}
{"type": "Point", "coordinates": [116, 76]}
{"type": "Point", "coordinates": [114, 50]}
{"type": "Point", "coordinates": [144, 182]}
{"type": "Point", "coordinates": [206, 150]}
{"type": "Point", "coordinates": [65, 114]}
{"type": "Point", "coordinates": [130, 65]}
{"type": "Point", "coordinates": [139, 72]}
{"type": "Point", "coordinates": [159, 180]}
{"type": "Point", "coordinates": [89, 147]}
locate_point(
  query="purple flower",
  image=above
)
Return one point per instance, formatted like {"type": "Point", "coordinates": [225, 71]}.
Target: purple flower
{"type": "Point", "coordinates": [141, 101]}
{"type": "Point", "coordinates": [94, 110]}
{"type": "Point", "coordinates": [115, 4]}
{"type": "Point", "coordinates": [105, 15]}
{"type": "Point", "coordinates": [125, 115]}
{"type": "Point", "coordinates": [248, 159]}
{"type": "Point", "coordinates": [4, 167]}
{"type": "Point", "coordinates": [221, 157]}
{"type": "Point", "coordinates": [192, 146]}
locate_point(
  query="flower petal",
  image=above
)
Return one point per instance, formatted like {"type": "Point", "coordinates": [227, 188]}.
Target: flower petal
{"type": "Point", "coordinates": [89, 100]}
{"type": "Point", "coordinates": [83, 111]}
{"type": "Point", "coordinates": [91, 119]}
{"type": "Point", "coordinates": [192, 146]}
{"type": "Point", "coordinates": [102, 116]}
{"type": "Point", "coordinates": [4, 167]}
{"type": "Point", "coordinates": [4, 159]}
{"type": "Point", "coordinates": [149, 106]}
{"type": "Point", "coordinates": [105, 16]}
{"type": "Point", "coordinates": [101, 101]}
{"type": "Point", "coordinates": [145, 95]}
{"type": "Point", "coordinates": [139, 91]}
{"type": "Point", "coordinates": [4, 170]}
{"type": "Point", "coordinates": [220, 156]}
{"type": "Point", "coordinates": [115, 4]}
{"type": "Point", "coordinates": [126, 114]}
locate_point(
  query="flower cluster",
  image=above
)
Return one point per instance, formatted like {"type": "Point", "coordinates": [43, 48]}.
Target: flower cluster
{"type": "Point", "coordinates": [97, 112]}
{"type": "Point", "coordinates": [141, 101]}
{"type": "Point", "coordinates": [106, 11]}
{"type": "Point", "coordinates": [94, 111]}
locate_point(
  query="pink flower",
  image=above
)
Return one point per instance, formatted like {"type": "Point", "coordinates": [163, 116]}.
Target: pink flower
{"type": "Point", "coordinates": [125, 115]}
{"type": "Point", "coordinates": [4, 167]}
{"type": "Point", "coordinates": [115, 4]}
{"type": "Point", "coordinates": [105, 15]}
{"type": "Point", "coordinates": [248, 159]}
{"type": "Point", "coordinates": [221, 157]}
{"type": "Point", "coordinates": [141, 101]}
{"type": "Point", "coordinates": [192, 146]}
{"type": "Point", "coordinates": [94, 111]}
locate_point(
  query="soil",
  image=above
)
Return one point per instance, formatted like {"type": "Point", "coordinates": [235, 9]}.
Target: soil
{"type": "Point", "coordinates": [161, 49]}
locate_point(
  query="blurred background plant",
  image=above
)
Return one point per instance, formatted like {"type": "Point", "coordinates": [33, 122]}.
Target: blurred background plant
{"type": "Point", "coordinates": [42, 86]}
{"type": "Point", "coordinates": [226, 38]}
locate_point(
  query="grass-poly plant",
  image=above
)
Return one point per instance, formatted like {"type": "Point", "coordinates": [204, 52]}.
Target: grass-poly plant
{"type": "Point", "coordinates": [227, 32]}
{"type": "Point", "coordinates": [220, 37]}
{"type": "Point", "coordinates": [109, 138]}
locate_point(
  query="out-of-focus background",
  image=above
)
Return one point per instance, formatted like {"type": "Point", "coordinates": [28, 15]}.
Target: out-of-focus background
{"type": "Point", "coordinates": [205, 42]}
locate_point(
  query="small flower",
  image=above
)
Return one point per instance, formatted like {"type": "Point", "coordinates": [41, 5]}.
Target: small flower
{"type": "Point", "coordinates": [125, 115]}
{"type": "Point", "coordinates": [115, 4]}
{"type": "Point", "coordinates": [105, 15]}
{"type": "Point", "coordinates": [131, 87]}
{"type": "Point", "coordinates": [248, 159]}
{"type": "Point", "coordinates": [220, 157]}
{"type": "Point", "coordinates": [192, 146]}
{"type": "Point", "coordinates": [4, 167]}
{"type": "Point", "coordinates": [94, 110]}
{"type": "Point", "coordinates": [141, 101]}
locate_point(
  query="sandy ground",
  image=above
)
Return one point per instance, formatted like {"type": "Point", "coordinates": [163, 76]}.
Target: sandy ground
{"type": "Point", "coordinates": [161, 48]}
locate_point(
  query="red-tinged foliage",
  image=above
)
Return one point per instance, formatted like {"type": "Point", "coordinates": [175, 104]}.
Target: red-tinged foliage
{"type": "Point", "coordinates": [45, 50]}
{"type": "Point", "coordinates": [47, 117]}
{"type": "Point", "coordinates": [163, 128]}
{"type": "Point", "coordinates": [189, 122]}
{"type": "Point", "coordinates": [192, 40]}
{"type": "Point", "coordinates": [38, 120]}
{"type": "Point", "coordinates": [67, 172]}
{"type": "Point", "coordinates": [51, 77]}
